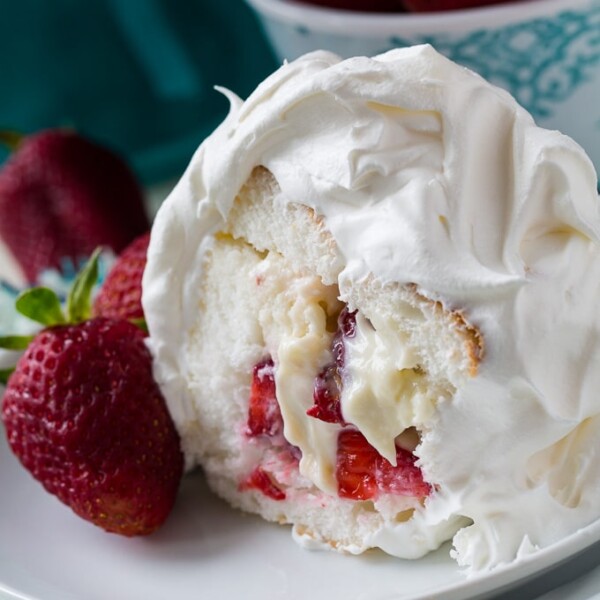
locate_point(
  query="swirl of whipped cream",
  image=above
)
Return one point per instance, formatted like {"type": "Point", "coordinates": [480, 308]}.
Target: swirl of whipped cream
{"type": "Point", "coordinates": [426, 174]}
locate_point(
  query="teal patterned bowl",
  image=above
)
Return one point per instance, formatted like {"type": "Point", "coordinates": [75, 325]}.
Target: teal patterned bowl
{"type": "Point", "coordinates": [545, 52]}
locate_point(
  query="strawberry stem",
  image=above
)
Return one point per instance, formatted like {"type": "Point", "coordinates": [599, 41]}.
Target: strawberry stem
{"type": "Point", "coordinates": [11, 139]}
{"type": "Point", "coordinates": [79, 301]}
{"type": "Point", "coordinates": [42, 305]}
{"type": "Point", "coordinates": [15, 342]}
{"type": "Point", "coordinates": [140, 324]}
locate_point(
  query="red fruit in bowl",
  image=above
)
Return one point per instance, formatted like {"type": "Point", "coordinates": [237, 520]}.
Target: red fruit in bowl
{"type": "Point", "coordinates": [361, 5]}
{"type": "Point", "coordinates": [120, 296]}
{"type": "Point", "coordinates": [62, 196]}
{"type": "Point", "coordinates": [445, 5]}
{"type": "Point", "coordinates": [84, 415]}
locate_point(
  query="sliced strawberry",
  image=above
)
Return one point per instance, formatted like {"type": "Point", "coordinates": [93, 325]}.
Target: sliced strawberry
{"type": "Point", "coordinates": [347, 323]}
{"type": "Point", "coordinates": [328, 383]}
{"type": "Point", "coordinates": [264, 415]}
{"type": "Point", "coordinates": [446, 5]}
{"type": "Point", "coordinates": [362, 473]}
{"type": "Point", "coordinates": [261, 480]}
{"type": "Point", "coordinates": [404, 479]}
{"type": "Point", "coordinates": [356, 460]}
{"type": "Point", "coordinates": [326, 396]}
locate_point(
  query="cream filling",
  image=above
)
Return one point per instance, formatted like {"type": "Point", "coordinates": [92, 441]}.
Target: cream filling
{"type": "Point", "coordinates": [385, 393]}
{"type": "Point", "coordinates": [385, 390]}
{"type": "Point", "coordinates": [293, 318]}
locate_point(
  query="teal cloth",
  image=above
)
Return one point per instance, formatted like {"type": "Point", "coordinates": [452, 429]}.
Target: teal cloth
{"type": "Point", "coordinates": [136, 75]}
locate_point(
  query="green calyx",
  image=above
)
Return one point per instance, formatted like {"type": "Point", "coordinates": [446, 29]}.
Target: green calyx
{"type": "Point", "coordinates": [11, 139]}
{"type": "Point", "coordinates": [15, 342]}
{"type": "Point", "coordinates": [79, 301]}
{"type": "Point", "coordinates": [43, 306]}
{"type": "Point", "coordinates": [140, 324]}
{"type": "Point", "coordinates": [4, 375]}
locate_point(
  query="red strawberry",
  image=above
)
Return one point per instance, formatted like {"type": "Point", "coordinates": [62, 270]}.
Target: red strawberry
{"type": "Point", "coordinates": [84, 415]}
{"type": "Point", "coordinates": [62, 196]}
{"type": "Point", "coordinates": [328, 383]}
{"type": "Point", "coordinates": [121, 294]}
{"type": "Point", "coordinates": [326, 396]}
{"type": "Point", "coordinates": [264, 415]}
{"type": "Point", "coordinates": [355, 466]}
{"type": "Point", "coordinates": [404, 479]}
{"type": "Point", "coordinates": [260, 480]}
{"type": "Point", "coordinates": [362, 473]}
{"type": "Point", "coordinates": [444, 5]}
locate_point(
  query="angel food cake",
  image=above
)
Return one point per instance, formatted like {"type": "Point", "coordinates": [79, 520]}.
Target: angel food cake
{"type": "Point", "coordinates": [373, 307]}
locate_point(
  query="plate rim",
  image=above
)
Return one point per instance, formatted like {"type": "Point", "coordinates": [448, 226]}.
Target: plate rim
{"type": "Point", "coordinates": [471, 586]}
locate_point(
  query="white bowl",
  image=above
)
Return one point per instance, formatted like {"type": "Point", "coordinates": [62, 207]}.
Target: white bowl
{"type": "Point", "coordinates": [545, 52]}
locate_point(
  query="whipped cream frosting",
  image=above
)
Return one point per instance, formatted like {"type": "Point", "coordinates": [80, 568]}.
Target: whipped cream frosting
{"type": "Point", "coordinates": [426, 174]}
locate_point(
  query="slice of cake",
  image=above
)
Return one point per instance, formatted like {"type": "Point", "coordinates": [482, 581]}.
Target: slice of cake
{"type": "Point", "coordinates": [372, 306]}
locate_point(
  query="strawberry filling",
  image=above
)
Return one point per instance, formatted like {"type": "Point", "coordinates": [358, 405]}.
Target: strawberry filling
{"type": "Point", "coordinates": [265, 421]}
{"type": "Point", "coordinates": [328, 383]}
{"type": "Point", "coordinates": [264, 415]}
{"type": "Point", "coordinates": [261, 480]}
{"type": "Point", "coordinates": [362, 473]}
{"type": "Point", "coordinates": [326, 396]}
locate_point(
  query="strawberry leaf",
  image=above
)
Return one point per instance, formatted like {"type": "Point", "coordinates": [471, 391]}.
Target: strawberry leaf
{"type": "Point", "coordinates": [15, 342]}
{"type": "Point", "coordinates": [5, 375]}
{"type": "Point", "coordinates": [11, 139]}
{"type": "Point", "coordinates": [140, 324]}
{"type": "Point", "coordinates": [79, 301]}
{"type": "Point", "coordinates": [42, 305]}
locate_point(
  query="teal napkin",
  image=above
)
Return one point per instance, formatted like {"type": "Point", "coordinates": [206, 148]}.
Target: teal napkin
{"type": "Point", "coordinates": [136, 75]}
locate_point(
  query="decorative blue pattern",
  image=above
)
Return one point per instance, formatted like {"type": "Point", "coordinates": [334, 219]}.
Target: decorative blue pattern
{"type": "Point", "coordinates": [60, 281]}
{"type": "Point", "coordinates": [541, 62]}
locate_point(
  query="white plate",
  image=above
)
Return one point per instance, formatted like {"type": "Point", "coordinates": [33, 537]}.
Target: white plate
{"type": "Point", "coordinates": [207, 550]}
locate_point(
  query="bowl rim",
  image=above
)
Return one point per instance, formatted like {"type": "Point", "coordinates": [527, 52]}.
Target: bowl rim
{"type": "Point", "coordinates": [364, 23]}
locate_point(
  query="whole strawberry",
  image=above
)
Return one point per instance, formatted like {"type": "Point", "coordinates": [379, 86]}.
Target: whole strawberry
{"type": "Point", "coordinates": [121, 293]}
{"type": "Point", "coordinates": [84, 415]}
{"type": "Point", "coordinates": [61, 196]}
